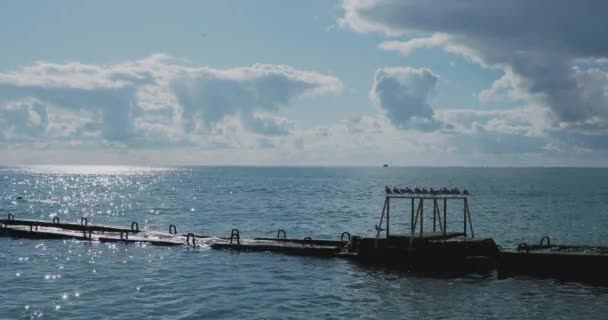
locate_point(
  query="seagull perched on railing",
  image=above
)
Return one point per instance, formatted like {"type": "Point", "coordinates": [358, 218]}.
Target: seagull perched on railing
{"type": "Point", "coordinates": [396, 191]}
{"type": "Point", "coordinates": [402, 191]}
{"type": "Point", "coordinates": [417, 191]}
{"type": "Point", "coordinates": [388, 190]}
{"type": "Point", "coordinates": [424, 191]}
{"type": "Point", "coordinates": [465, 192]}
{"type": "Point", "coordinates": [408, 190]}
{"type": "Point", "coordinates": [432, 191]}
{"type": "Point", "coordinates": [445, 190]}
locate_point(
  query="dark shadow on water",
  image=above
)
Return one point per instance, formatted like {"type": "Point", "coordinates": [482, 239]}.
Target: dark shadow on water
{"type": "Point", "coordinates": [384, 271]}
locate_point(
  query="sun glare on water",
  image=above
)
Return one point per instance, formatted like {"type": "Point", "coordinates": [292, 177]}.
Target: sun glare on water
{"type": "Point", "coordinates": [89, 169]}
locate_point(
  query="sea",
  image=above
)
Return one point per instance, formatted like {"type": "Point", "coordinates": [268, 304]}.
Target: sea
{"type": "Point", "coordinates": [57, 279]}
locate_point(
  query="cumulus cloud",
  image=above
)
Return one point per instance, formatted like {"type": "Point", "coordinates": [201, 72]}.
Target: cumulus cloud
{"type": "Point", "coordinates": [27, 118]}
{"type": "Point", "coordinates": [537, 43]}
{"type": "Point", "coordinates": [151, 101]}
{"type": "Point", "coordinates": [210, 94]}
{"type": "Point", "coordinates": [402, 93]}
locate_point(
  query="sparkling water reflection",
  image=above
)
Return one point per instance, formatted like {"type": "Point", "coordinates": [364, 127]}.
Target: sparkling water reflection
{"type": "Point", "coordinates": [75, 280]}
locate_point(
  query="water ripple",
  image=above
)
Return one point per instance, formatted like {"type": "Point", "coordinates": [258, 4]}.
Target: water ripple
{"type": "Point", "coordinates": [76, 280]}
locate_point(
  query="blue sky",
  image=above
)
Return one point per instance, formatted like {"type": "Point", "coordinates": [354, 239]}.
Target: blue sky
{"type": "Point", "coordinates": [297, 83]}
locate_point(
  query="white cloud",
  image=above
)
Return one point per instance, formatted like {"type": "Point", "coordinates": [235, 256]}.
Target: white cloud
{"type": "Point", "coordinates": [537, 43]}
{"type": "Point", "coordinates": [27, 118]}
{"type": "Point", "coordinates": [402, 94]}
{"type": "Point", "coordinates": [152, 101]}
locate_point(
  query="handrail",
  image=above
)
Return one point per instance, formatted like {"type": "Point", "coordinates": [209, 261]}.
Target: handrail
{"type": "Point", "coordinates": [191, 235]}
{"type": "Point", "coordinates": [235, 234]}
{"type": "Point", "coordinates": [523, 247]}
{"type": "Point", "coordinates": [542, 241]}
{"type": "Point", "coordinates": [343, 234]}
{"type": "Point", "coordinates": [279, 234]}
{"type": "Point", "coordinates": [307, 240]}
{"type": "Point", "coordinates": [173, 230]}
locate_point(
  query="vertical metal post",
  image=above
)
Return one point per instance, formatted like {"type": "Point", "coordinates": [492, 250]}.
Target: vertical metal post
{"type": "Point", "coordinates": [418, 212]}
{"type": "Point", "coordinates": [412, 218]}
{"type": "Point", "coordinates": [379, 226]}
{"type": "Point", "coordinates": [388, 207]}
{"type": "Point", "coordinates": [469, 217]}
{"type": "Point", "coordinates": [421, 215]}
{"type": "Point", "coordinates": [445, 216]}
{"type": "Point", "coordinates": [434, 214]}
{"type": "Point", "coordinates": [438, 215]}
{"type": "Point", "coordinates": [464, 216]}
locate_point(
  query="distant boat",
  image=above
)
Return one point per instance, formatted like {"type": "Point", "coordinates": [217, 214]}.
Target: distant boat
{"type": "Point", "coordinates": [385, 165]}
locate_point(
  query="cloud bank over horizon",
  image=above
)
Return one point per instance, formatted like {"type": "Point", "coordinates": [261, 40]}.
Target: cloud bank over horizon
{"type": "Point", "coordinates": [553, 61]}
{"type": "Point", "coordinates": [534, 75]}
{"type": "Point", "coordinates": [150, 102]}
{"type": "Point", "coordinates": [154, 104]}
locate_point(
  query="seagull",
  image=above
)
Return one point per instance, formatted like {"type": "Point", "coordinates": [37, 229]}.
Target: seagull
{"type": "Point", "coordinates": [455, 191]}
{"type": "Point", "coordinates": [417, 191]}
{"type": "Point", "coordinates": [432, 191]}
{"type": "Point", "coordinates": [408, 190]}
{"type": "Point", "coordinates": [387, 190]}
{"type": "Point", "coordinates": [396, 191]}
{"type": "Point", "coordinates": [424, 191]}
{"type": "Point", "coordinates": [465, 192]}
{"type": "Point", "coordinates": [445, 190]}
{"type": "Point", "coordinates": [403, 191]}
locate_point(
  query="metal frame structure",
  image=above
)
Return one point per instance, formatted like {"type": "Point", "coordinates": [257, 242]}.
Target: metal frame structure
{"type": "Point", "coordinates": [417, 214]}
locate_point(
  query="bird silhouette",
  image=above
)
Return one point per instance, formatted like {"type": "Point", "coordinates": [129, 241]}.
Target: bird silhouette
{"type": "Point", "coordinates": [417, 191]}
{"type": "Point", "coordinates": [465, 192]}
{"type": "Point", "coordinates": [388, 190]}
{"type": "Point", "coordinates": [424, 191]}
{"type": "Point", "coordinates": [396, 191]}
{"type": "Point", "coordinates": [402, 191]}
{"type": "Point", "coordinates": [408, 191]}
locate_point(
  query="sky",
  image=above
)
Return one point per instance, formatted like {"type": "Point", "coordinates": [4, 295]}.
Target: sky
{"type": "Point", "coordinates": [318, 82]}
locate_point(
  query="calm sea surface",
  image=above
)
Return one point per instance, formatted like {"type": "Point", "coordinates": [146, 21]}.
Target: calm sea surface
{"type": "Point", "coordinates": [51, 279]}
